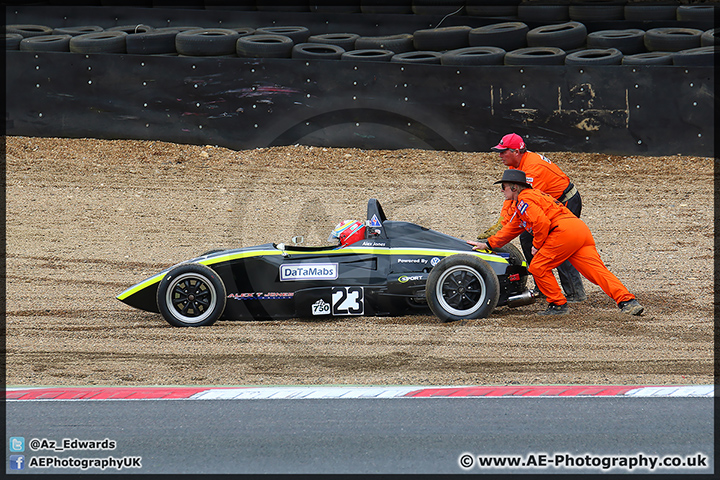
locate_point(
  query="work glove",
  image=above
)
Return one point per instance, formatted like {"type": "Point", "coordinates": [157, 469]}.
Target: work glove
{"type": "Point", "coordinates": [491, 231]}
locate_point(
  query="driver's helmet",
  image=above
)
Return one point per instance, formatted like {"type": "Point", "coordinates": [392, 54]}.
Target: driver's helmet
{"type": "Point", "coordinates": [348, 232]}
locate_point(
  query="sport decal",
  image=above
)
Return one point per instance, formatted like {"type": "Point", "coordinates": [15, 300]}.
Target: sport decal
{"type": "Point", "coordinates": [308, 271]}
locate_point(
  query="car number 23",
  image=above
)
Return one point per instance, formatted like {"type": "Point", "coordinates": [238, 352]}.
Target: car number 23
{"type": "Point", "coordinates": [348, 301]}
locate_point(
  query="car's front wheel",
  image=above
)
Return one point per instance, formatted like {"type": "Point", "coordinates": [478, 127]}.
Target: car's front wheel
{"type": "Point", "coordinates": [462, 287]}
{"type": "Point", "coordinates": [191, 295]}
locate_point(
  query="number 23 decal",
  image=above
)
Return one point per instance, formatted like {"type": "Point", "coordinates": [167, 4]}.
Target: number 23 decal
{"type": "Point", "coordinates": [348, 301]}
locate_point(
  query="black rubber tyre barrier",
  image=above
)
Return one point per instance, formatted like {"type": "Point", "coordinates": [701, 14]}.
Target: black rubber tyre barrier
{"type": "Point", "coordinates": [672, 39]}
{"type": "Point", "coordinates": [368, 55]}
{"type": "Point", "coordinates": [28, 30]}
{"type": "Point", "coordinates": [648, 58]}
{"type": "Point", "coordinates": [423, 56]}
{"type": "Point", "coordinates": [46, 43]}
{"type": "Point", "coordinates": [474, 56]}
{"type": "Point", "coordinates": [443, 38]}
{"type": "Point", "coordinates": [566, 35]}
{"type": "Point", "coordinates": [206, 42]}
{"type": "Point", "coordinates": [264, 46]}
{"type": "Point", "coordinates": [12, 41]}
{"type": "Point", "coordinates": [318, 51]}
{"type": "Point", "coordinates": [596, 10]}
{"type": "Point", "coordinates": [151, 43]}
{"type": "Point", "coordinates": [539, 11]}
{"type": "Point", "coordinates": [344, 40]}
{"type": "Point", "coordinates": [244, 31]}
{"type": "Point", "coordinates": [298, 34]}
{"type": "Point", "coordinates": [99, 42]}
{"type": "Point", "coordinates": [697, 13]}
{"type": "Point", "coordinates": [399, 43]}
{"type": "Point", "coordinates": [75, 31]}
{"type": "Point", "coordinates": [438, 7]}
{"type": "Point", "coordinates": [506, 35]}
{"type": "Point", "coordinates": [629, 41]}
{"type": "Point", "coordinates": [137, 28]}
{"type": "Point", "coordinates": [709, 38]}
{"type": "Point", "coordinates": [641, 12]}
{"type": "Point", "coordinates": [595, 56]}
{"type": "Point", "coordinates": [536, 56]}
{"type": "Point", "coordinates": [184, 28]}
{"type": "Point", "coordinates": [700, 56]}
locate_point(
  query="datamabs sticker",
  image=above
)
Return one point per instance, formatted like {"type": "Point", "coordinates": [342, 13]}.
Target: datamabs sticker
{"type": "Point", "coordinates": [308, 271]}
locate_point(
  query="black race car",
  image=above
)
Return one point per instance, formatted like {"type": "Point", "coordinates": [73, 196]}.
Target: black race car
{"type": "Point", "coordinates": [399, 268]}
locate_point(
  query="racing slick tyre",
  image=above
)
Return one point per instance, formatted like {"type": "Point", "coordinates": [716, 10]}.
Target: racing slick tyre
{"type": "Point", "coordinates": [462, 287]}
{"type": "Point", "coordinates": [191, 295]}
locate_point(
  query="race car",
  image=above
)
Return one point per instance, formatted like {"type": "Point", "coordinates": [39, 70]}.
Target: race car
{"type": "Point", "coordinates": [389, 268]}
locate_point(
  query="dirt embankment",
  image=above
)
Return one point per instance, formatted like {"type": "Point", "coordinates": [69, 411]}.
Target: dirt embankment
{"type": "Point", "coordinates": [88, 218]}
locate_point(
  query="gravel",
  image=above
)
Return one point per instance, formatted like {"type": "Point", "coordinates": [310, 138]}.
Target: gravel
{"type": "Point", "coordinates": [88, 218]}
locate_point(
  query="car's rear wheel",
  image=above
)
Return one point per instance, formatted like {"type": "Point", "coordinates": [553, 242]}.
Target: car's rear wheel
{"type": "Point", "coordinates": [462, 287]}
{"type": "Point", "coordinates": [516, 258]}
{"type": "Point", "coordinates": [191, 295]}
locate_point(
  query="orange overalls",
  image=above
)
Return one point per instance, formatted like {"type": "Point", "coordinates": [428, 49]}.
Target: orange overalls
{"type": "Point", "coordinates": [558, 235]}
{"type": "Point", "coordinates": [542, 175]}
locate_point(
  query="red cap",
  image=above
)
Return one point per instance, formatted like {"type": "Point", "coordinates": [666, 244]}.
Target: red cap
{"type": "Point", "coordinates": [511, 140]}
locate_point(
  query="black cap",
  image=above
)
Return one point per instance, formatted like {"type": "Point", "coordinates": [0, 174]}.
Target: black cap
{"type": "Point", "coordinates": [512, 175]}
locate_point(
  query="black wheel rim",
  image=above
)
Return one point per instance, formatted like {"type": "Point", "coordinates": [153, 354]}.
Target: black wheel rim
{"type": "Point", "coordinates": [191, 298]}
{"type": "Point", "coordinates": [461, 291]}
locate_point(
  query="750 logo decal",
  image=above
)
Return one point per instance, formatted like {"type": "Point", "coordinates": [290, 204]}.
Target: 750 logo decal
{"type": "Point", "coordinates": [344, 301]}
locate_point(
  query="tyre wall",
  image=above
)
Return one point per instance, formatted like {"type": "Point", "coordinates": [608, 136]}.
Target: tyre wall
{"type": "Point", "coordinates": [241, 102]}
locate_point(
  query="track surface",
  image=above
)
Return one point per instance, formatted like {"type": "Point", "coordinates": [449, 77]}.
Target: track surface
{"type": "Point", "coordinates": [88, 218]}
{"type": "Point", "coordinates": [412, 435]}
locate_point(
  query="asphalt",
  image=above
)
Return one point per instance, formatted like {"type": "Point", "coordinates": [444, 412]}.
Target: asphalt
{"type": "Point", "coordinates": [370, 436]}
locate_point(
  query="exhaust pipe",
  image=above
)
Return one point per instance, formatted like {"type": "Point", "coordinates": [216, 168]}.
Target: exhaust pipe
{"type": "Point", "coordinates": [526, 298]}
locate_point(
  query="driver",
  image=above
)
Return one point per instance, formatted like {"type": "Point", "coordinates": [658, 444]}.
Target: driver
{"type": "Point", "coordinates": [348, 232]}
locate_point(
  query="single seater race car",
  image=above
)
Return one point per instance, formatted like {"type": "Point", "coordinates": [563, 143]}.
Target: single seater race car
{"type": "Point", "coordinates": [396, 268]}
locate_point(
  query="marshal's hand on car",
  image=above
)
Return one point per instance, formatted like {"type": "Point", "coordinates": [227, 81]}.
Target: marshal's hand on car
{"type": "Point", "coordinates": [478, 245]}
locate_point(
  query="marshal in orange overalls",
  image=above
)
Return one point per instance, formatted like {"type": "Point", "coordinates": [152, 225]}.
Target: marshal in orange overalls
{"type": "Point", "coordinates": [558, 235]}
